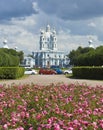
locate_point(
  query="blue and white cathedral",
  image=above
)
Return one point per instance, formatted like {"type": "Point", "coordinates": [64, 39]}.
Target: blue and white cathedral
{"type": "Point", "coordinates": [49, 55]}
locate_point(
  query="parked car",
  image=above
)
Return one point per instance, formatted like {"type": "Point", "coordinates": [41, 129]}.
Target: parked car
{"type": "Point", "coordinates": [47, 71]}
{"type": "Point", "coordinates": [58, 70]}
{"type": "Point", "coordinates": [54, 66]}
{"type": "Point", "coordinates": [30, 71]}
{"type": "Point", "coordinates": [69, 71]}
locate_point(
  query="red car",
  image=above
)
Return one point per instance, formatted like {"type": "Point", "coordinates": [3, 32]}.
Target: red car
{"type": "Point", "coordinates": [47, 71]}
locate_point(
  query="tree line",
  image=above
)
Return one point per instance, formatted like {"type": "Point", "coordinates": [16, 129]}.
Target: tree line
{"type": "Point", "coordinates": [86, 56]}
{"type": "Point", "coordinates": [10, 57]}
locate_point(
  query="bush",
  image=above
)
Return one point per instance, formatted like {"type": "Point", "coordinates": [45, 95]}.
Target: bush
{"type": "Point", "coordinates": [11, 72]}
{"type": "Point", "coordinates": [88, 72]}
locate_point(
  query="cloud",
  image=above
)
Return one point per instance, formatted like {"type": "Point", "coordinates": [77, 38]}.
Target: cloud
{"type": "Point", "coordinates": [17, 8]}
{"type": "Point", "coordinates": [68, 42]}
{"type": "Point", "coordinates": [74, 20]}
{"type": "Point", "coordinates": [72, 9]}
{"type": "Point", "coordinates": [24, 32]}
{"type": "Point", "coordinates": [19, 34]}
{"type": "Point", "coordinates": [92, 24]}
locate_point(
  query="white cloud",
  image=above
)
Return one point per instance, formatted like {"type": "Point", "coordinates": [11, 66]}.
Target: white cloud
{"type": "Point", "coordinates": [19, 33]}
{"type": "Point", "coordinates": [92, 24]}
{"type": "Point", "coordinates": [35, 7]}
{"type": "Point", "coordinates": [68, 42]}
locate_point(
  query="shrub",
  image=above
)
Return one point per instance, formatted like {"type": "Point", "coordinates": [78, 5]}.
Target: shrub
{"type": "Point", "coordinates": [11, 72]}
{"type": "Point", "coordinates": [88, 72]}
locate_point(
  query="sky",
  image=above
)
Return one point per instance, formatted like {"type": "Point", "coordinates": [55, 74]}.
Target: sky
{"type": "Point", "coordinates": [76, 22]}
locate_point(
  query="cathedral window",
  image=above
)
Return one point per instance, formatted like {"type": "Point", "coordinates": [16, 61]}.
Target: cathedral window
{"type": "Point", "coordinates": [55, 63]}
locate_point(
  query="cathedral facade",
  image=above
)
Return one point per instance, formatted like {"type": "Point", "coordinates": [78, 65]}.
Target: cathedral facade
{"type": "Point", "coordinates": [49, 55]}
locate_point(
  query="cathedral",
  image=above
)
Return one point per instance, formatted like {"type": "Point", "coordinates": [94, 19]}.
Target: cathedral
{"type": "Point", "coordinates": [48, 54]}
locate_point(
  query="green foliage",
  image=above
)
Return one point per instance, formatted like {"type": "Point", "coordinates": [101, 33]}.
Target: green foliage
{"type": "Point", "coordinates": [11, 72]}
{"type": "Point", "coordinates": [88, 72]}
{"type": "Point", "coordinates": [86, 56]}
{"type": "Point", "coordinates": [10, 57]}
{"type": "Point", "coordinates": [21, 56]}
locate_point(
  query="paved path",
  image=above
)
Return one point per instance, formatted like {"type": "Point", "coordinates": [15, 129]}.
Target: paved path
{"type": "Point", "coordinates": [48, 79]}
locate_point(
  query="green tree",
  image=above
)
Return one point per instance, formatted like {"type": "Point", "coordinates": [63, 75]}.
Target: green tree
{"type": "Point", "coordinates": [86, 56]}
{"type": "Point", "coordinates": [21, 56]}
{"type": "Point", "coordinates": [10, 57]}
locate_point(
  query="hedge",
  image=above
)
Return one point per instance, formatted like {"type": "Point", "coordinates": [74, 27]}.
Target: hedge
{"type": "Point", "coordinates": [88, 72]}
{"type": "Point", "coordinates": [11, 72]}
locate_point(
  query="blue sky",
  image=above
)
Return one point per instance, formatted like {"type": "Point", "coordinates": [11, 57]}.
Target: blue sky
{"type": "Point", "coordinates": [76, 21]}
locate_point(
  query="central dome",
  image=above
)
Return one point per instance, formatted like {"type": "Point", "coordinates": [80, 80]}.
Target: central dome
{"type": "Point", "coordinates": [48, 28]}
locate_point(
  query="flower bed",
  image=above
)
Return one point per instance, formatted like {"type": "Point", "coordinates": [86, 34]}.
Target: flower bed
{"type": "Point", "coordinates": [52, 107]}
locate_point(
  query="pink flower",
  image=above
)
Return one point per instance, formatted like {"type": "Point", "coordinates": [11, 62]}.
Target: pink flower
{"type": "Point", "coordinates": [20, 87]}
{"type": "Point", "coordinates": [36, 98]}
{"type": "Point", "coordinates": [48, 126]}
{"type": "Point", "coordinates": [80, 110]}
{"type": "Point", "coordinates": [46, 99]}
{"type": "Point", "coordinates": [39, 128]}
{"type": "Point", "coordinates": [1, 86]}
{"type": "Point", "coordinates": [70, 128]}
{"type": "Point", "coordinates": [85, 123]}
{"type": "Point", "coordinates": [102, 100]}
{"type": "Point", "coordinates": [2, 94]}
{"type": "Point", "coordinates": [27, 115]}
{"type": "Point", "coordinates": [76, 122]}
{"type": "Point", "coordinates": [49, 120]}
{"type": "Point", "coordinates": [1, 110]}
{"type": "Point", "coordinates": [20, 128]}
{"type": "Point", "coordinates": [101, 123]}
{"type": "Point", "coordinates": [31, 128]}
{"type": "Point", "coordinates": [22, 114]}
{"type": "Point", "coordinates": [5, 127]}
{"type": "Point", "coordinates": [80, 128]}
{"type": "Point", "coordinates": [56, 126]}
{"type": "Point", "coordinates": [95, 125]}
{"type": "Point", "coordinates": [39, 116]}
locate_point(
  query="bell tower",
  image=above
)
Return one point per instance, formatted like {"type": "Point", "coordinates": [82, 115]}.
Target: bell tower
{"type": "Point", "coordinates": [42, 40]}
{"type": "Point", "coordinates": [54, 40]}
